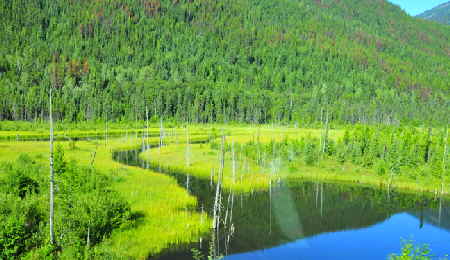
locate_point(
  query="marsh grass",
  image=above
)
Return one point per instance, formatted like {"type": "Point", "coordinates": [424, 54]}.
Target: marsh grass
{"type": "Point", "coordinates": [156, 200]}
{"type": "Point", "coordinates": [256, 172]}
{"type": "Point", "coordinates": [162, 209]}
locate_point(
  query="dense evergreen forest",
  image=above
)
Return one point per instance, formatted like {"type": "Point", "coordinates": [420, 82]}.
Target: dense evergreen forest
{"type": "Point", "coordinates": [220, 61]}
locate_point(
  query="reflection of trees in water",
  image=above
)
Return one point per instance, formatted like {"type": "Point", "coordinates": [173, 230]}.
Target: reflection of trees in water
{"type": "Point", "coordinates": [438, 216]}
{"type": "Point", "coordinates": [293, 211]}
{"type": "Point", "coordinates": [290, 210]}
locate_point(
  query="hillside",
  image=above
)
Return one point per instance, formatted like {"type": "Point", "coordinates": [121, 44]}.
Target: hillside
{"type": "Point", "coordinates": [233, 60]}
{"type": "Point", "coordinates": [440, 13]}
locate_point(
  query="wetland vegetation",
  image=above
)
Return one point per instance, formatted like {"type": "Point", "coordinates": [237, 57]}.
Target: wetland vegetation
{"type": "Point", "coordinates": [152, 184]}
{"type": "Point", "coordinates": [234, 129]}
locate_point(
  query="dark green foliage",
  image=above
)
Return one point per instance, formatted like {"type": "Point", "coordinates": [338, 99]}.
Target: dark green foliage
{"type": "Point", "coordinates": [59, 163]}
{"type": "Point", "coordinates": [24, 181]}
{"type": "Point", "coordinates": [86, 209]}
{"type": "Point", "coordinates": [19, 224]}
{"type": "Point", "coordinates": [310, 152]}
{"type": "Point", "coordinates": [21, 211]}
{"type": "Point", "coordinates": [206, 61]}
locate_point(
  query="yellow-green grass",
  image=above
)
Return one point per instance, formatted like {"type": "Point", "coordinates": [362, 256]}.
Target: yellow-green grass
{"type": "Point", "coordinates": [162, 204]}
{"type": "Point", "coordinates": [126, 130]}
{"type": "Point", "coordinates": [204, 162]}
{"type": "Point", "coordinates": [249, 176]}
{"type": "Point", "coordinates": [157, 198]}
{"type": "Point", "coordinates": [70, 134]}
{"type": "Point", "coordinates": [159, 202]}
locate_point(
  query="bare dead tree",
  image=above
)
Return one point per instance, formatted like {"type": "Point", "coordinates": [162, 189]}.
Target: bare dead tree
{"type": "Point", "coordinates": [444, 158]}
{"type": "Point", "coordinates": [234, 162]}
{"type": "Point", "coordinates": [161, 134]}
{"type": "Point", "coordinates": [147, 146]}
{"type": "Point", "coordinates": [52, 172]}
{"type": "Point", "coordinates": [217, 202]}
{"type": "Point", "coordinates": [106, 128]}
{"type": "Point", "coordinates": [56, 82]}
{"type": "Point", "coordinates": [188, 148]}
{"type": "Point", "coordinates": [325, 135]}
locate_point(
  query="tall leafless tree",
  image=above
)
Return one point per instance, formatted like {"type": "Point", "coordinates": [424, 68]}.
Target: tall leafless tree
{"type": "Point", "coordinates": [148, 128]}
{"type": "Point", "coordinates": [444, 158]}
{"type": "Point", "coordinates": [52, 172]}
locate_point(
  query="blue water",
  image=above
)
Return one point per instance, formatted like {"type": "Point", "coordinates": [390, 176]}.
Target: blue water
{"type": "Point", "coordinates": [313, 220]}
{"type": "Point", "coordinates": [374, 242]}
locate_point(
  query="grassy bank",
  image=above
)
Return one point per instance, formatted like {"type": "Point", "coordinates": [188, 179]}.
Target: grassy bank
{"type": "Point", "coordinates": [246, 174]}
{"type": "Point", "coordinates": [162, 207]}
{"type": "Point", "coordinates": [158, 202]}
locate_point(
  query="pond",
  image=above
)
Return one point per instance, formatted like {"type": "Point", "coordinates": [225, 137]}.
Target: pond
{"type": "Point", "coordinates": [311, 220]}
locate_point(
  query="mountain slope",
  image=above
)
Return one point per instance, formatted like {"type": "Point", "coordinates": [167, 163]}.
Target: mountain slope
{"type": "Point", "coordinates": [440, 13]}
{"type": "Point", "coordinates": [204, 60]}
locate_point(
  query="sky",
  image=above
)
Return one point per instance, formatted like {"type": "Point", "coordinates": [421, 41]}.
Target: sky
{"type": "Point", "coordinates": [415, 7]}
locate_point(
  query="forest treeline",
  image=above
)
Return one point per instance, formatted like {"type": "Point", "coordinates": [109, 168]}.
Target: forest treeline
{"type": "Point", "coordinates": [221, 61]}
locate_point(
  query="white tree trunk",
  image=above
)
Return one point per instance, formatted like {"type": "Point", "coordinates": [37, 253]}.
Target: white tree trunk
{"type": "Point", "coordinates": [52, 181]}
{"type": "Point", "coordinates": [147, 132]}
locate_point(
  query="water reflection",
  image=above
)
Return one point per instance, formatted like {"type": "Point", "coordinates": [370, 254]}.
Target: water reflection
{"type": "Point", "coordinates": [307, 220]}
{"type": "Point", "coordinates": [438, 216]}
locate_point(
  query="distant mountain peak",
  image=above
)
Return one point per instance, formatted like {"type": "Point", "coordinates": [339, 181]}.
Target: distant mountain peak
{"type": "Point", "coordinates": [440, 13]}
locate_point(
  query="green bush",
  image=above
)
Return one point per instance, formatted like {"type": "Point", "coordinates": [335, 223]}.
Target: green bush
{"type": "Point", "coordinates": [380, 167]}
{"type": "Point", "coordinates": [19, 222]}
{"type": "Point", "coordinates": [310, 153]}
{"type": "Point", "coordinates": [87, 209]}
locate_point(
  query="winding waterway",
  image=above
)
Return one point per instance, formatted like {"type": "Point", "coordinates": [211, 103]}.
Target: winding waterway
{"type": "Point", "coordinates": [312, 220]}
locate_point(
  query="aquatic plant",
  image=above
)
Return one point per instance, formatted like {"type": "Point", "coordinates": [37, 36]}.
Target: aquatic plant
{"type": "Point", "coordinates": [411, 251]}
